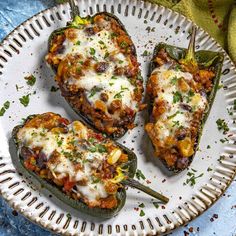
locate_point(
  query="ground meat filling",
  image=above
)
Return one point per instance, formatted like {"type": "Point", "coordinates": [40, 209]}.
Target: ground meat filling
{"type": "Point", "coordinates": [179, 101]}
{"type": "Point", "coordinates": [95, 65]}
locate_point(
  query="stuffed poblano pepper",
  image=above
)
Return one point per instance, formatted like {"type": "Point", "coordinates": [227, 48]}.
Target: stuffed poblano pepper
{"type": "Point", "coordinates": [79, 166]}
{"type": "Point", "coordinates": [182, 86]}
{"type": "Point", "coordinates": [97, 71]}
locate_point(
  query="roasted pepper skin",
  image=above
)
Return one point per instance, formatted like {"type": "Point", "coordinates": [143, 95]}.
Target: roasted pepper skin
{"type": "Point", "coordinates": [204, 59]}
{"type": "Point", "coordinates": [79, 205]}
{"type": "Point", "coordinates": [134, 53]}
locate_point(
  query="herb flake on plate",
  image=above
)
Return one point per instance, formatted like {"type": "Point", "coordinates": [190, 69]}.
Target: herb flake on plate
{"type": "Point", "coordinates": [24, 100]}
{"type": "Point", "coordinates": [140, 175]}
{"type": "Point", "coordinates": [30, 80]}
{"type": "Point", "coordinates": [5, 106]}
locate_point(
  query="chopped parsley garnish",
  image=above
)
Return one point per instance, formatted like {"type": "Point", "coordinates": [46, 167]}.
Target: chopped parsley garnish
{"type": "Point", "coordinates": [223, 140]}
{"type": "Point", "coordinates": [113, 77]}
{"type": "Point", "coordinates": [230, 112]}
{"type": "Point", "coordinates": [120, 61]}
{"type": "Point", "coordinates": [141, 205]}
{"type": "Point", "coordinates": [177, 67]}
{"type": "Point", "coordinates": [190, 95]}
{"type": "Point", "coordinates": [2, 111]}
{"type": "Point", "coordinates": [209, 169]}
{"type": "Point", "coordinates": [156, 204]}
{"type": "Point", "coordinates": [141, 213]}
{"type": "Point", "coordinates": [24, 100]}
{"type": "Point", "coordinates": [78, 70]}
{"type": "Point", "coordinates": [177, 97]}
{"type": "Point", "coordinates": [77, 43]}
{"type": "Point", "coordinates": [101, 148]}
{"type": "Point", "coordinates": [145, 53]}
{"type": "Point", "coordinates": [92, 149]}
{"type": "Point", "coordinates": [172, 116]}
{"type": "Point", "coordinates": [17, 87]}
{"type": "Point", "coordinates": [54, 89]}
{"type": "Point", "coordinates": [94, 90]}
{"type": "Point", "coordinates": [111, 84]}
{"type": "Point", "coordinates": [106, 55]}
{"type": "Point", "coordinates": [30, 80]}
{"type": "Point", "coordinates": [174, 80]}
{"type": "Point", "coordinates": [68, 215]}
{"type": "Point", "coordinates": [123, 88]}
{"type": "Point", "coordinates": [101, 42]}
{"type": "Point", "coordinates": [113, 35]}
{"type": "Point", "coordinates": [222, 125]}
{"type": "Point", "coordinates": [139, 175]}
{"type": "Point", "coordinates": [68, 155]}
{"type": "Point", "coordinates": [95, 180]}
{"type": "Point", "coordinates": [118, 95]}
{"type": "Point", "coordinates": [92, 51]}
{"type": "Point", "coordinates": [208, 146]}
{"type": "Point", "coordinates": [123, 44]}
{"type": "Point", "coordinates": [192, 180]}
{"type": "Point", "coordinates": [91, 140]}
{"type": "Point", "coordinates": [59, 142]}
{"type": "Point", "coordinates": [73, 156]}
{"type": "Point", "coordinates": [98, 148]}
{"type": "Point", "coordinates": [5, 106]}
{"type": "Point", "coordinates": [175, 123]}
{"type": "Point", "coordinates": [43, 134]}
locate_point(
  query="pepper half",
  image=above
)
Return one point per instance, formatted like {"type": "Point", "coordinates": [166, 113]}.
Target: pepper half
{"type": "Point", "coordinates": [97, 71]}
{"type": "Point", "coordinates": [182, 85]}
{"type": "Point", "coordinates": [67, 157]}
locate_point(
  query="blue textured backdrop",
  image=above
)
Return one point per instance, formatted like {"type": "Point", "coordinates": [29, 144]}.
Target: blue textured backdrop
{"type": "Point", "coordinates": [219, 220]}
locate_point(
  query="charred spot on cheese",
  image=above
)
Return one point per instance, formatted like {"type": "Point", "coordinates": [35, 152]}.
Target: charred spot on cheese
{"type": "Point", "coordinates": [98, 54]}
{"type": "Point", "coordinates": [179, 99]}
{"type": "Point", "coordinates": [84, 164]}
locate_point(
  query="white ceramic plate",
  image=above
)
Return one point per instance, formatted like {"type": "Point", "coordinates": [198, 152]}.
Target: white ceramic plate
{"type": "Point", "coordinates": [22, 53]}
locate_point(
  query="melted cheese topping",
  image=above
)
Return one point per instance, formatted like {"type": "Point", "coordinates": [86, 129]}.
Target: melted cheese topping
{"type": "Point", "coordinates": [64, 166]}
{"type": "Point", "coordinates": [175, 116]}
{"type": "Point", "coordinates": [97, 47]}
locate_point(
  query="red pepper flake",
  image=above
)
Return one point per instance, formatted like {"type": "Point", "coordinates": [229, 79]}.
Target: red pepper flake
{"type": "Point", "coordinates": [163, 207]}
{"type": "Point", "coordinates": [211, 219]}
{"type": "Point", "coordinates": [186, 233]}
{"type": "Point", "coordinates": [215, 216]}
{"type": "Point", "coordinates": [233, 207]}
{"type": "Point", "coordinates": [190, 229]}
{"type": "Point", "coordinates": [14, 213]}
{"type": "Point", "coordinates": [163, 181]}
{"type": "Point", "coordinates": [148, 181]}
{"type": "Point", "coordinates": [136, 208]}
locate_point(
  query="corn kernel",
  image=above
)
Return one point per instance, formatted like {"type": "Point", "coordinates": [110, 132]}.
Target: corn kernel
{"type": "Point", "coordinates": [114, 156]}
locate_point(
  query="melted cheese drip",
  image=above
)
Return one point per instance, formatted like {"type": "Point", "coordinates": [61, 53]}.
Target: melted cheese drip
{"type": "Point", "coordinates": [64, 166]}
{"type": "Point", "coordinates": [175, 116]}
{"type": "Point", "coordinates": [102, 44]}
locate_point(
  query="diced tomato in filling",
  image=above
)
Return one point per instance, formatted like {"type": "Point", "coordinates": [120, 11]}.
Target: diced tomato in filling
{"type": "Point", "coordinates": [69, 185]}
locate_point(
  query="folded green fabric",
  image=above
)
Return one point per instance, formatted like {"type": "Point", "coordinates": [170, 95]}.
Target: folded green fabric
{"type": "Point", "coordinates": [217, 17]}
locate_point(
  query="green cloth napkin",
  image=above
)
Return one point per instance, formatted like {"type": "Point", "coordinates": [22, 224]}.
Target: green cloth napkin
{"type": "Point", "coordinates": [217, 17]}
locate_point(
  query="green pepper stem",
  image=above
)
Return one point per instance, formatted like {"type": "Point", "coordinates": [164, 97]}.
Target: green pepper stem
{"type": "Point", "coordinates": [135, 184]}
{"type": "Point", "coordinates": [191, 47]}
{"type": "Point", "coordinates": [74, 10]}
